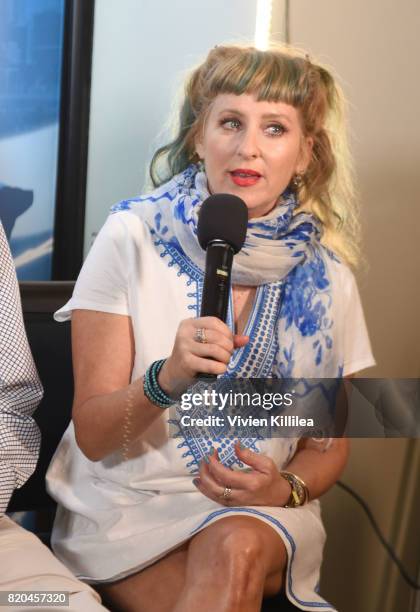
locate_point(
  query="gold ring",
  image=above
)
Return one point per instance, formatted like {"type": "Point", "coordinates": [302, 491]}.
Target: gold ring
{"type": "Point", "coordinates": [227, 492]}
{"type": "Point", "coordinates": [200, 335]}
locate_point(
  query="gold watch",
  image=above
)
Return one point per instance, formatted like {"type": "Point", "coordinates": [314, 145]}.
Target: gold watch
{"type": "Point", "coordinates": [299, 495]}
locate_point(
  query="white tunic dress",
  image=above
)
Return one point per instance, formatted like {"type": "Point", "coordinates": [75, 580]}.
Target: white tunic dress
{"type": "Point", "coordinates": [119, 515]}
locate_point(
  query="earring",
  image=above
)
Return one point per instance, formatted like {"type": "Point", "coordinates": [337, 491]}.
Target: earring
{"type": "Point", "coordinates": [297, 181]}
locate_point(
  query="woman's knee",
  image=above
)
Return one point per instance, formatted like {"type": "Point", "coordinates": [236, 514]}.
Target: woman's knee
{"type": "Point", "coordinates": [257, 559]}
{"type": "Point", "coordinates": [245, 562]}
{"type": "Point", "coordinates": [241, 546]}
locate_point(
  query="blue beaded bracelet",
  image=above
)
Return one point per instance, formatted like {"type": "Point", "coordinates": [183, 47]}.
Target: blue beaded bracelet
{"type": "Point", "coordinates": [152, 390]}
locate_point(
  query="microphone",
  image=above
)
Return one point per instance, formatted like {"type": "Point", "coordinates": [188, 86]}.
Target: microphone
{"type": "Point", "coordinates": [221, 231]}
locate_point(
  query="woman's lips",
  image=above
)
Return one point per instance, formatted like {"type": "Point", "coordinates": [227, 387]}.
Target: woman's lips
{"type": "Point", "coordinates": [245, 178]}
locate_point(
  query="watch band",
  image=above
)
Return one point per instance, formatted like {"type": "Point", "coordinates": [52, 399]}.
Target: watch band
{"type": "Point", "coordinates": [299, 495]}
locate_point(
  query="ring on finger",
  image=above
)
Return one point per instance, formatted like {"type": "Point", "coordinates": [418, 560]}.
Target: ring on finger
{"type": "Point", "coordinates": [200, 335]}
{"type": "Point", "coordinates": [226, 493]}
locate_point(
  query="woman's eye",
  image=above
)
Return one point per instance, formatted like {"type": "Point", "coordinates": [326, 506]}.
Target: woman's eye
{"type": "Point", "coordinates": [231, 124]}
{"type": "Point", "coordinates": [275, 129]}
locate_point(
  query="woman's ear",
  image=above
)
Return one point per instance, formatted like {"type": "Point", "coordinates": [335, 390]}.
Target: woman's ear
{"type": "Point", "coordinates": [305, 155]}
{"type": "Point", "coordinates": [199, 149]}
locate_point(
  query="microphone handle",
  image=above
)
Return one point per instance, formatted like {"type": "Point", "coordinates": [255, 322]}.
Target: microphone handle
{"type": "Point", "coordinates": [219, 258]}
{"type": "Point", "coordinates": [216, 289]}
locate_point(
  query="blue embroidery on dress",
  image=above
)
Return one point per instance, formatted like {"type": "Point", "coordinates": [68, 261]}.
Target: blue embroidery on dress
{"type": "Point", "coordinates": [256, 358]}
{"type": "Point", "coordinates": [186, 266]}
{"type": "Point", "coordinates": [177, 257]}
{"type": "Point", "coordinates": [196, 441]}
{"type": "Point", "coordinates": [271, 519]}
{"type": "Point", "coordinates": [195, 446]}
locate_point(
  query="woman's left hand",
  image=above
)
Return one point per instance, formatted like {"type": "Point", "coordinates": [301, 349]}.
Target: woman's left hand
{"type": "Point", "coordinates": [262, 485]}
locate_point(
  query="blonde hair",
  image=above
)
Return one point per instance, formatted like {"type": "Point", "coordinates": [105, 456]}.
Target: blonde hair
{"type": "Point", "coordinates": [280, 74]}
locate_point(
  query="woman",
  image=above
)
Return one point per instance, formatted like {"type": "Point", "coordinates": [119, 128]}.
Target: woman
{"type": "Point", "coordinates": [163, 524]}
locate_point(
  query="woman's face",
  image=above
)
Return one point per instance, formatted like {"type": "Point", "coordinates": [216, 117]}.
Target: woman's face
{"type": "Point", "coordinates": [252, 149]}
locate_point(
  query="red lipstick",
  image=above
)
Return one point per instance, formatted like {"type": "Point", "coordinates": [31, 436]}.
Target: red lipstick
{"type": "Point", "coordinates": [245, 177]}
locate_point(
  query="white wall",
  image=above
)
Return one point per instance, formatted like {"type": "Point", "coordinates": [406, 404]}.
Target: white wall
{"type": "Point", "coordinates": [141, 50]}
{"type": "Point", "coordinates": [375, 47]}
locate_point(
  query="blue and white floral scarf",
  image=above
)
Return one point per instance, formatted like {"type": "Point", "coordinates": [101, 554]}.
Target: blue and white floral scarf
{"type": "Point", "coordinates": [291, 327]}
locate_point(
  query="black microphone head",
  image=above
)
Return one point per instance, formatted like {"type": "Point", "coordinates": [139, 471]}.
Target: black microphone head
{"type": "Point", "coordinates": [223, 217]}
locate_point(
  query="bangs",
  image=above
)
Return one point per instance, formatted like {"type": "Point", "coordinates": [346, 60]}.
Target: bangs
{"type": "Point", "coordinates": [269, 76]}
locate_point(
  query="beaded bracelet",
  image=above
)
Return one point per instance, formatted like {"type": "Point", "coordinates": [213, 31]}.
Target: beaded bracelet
{"type": "Point", "coordinates": [152, 389]}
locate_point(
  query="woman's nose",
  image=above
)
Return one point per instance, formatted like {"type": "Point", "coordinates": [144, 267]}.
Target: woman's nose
{"type": "Point", "coordinates": [248, 146]}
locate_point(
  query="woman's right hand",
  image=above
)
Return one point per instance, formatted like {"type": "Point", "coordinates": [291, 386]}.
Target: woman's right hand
{"type": "Point", "coordinates": [190, 356]}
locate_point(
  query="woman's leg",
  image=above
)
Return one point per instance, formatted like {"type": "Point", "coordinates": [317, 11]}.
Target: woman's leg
{"type": "Point", "coordinates": [231, 565]}
{"type": "Point", "coordinates": [155, 588]}
{"type": "Point", "coordinates": [226, 567]}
